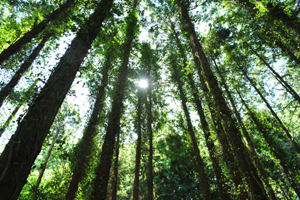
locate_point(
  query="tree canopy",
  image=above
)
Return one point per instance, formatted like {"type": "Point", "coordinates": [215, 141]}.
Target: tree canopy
{"type": "Point", "coordinates": [149, 99]}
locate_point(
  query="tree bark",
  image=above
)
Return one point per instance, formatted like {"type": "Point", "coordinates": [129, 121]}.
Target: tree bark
{"type": "Point", "coordinates": [12, 49]}
{"type": "Point", "coordinates": [85, 145]}
{"type": "Point", "coordinates": [274, 148]}
{"type": "Point", "coordinates": [116, 170]}
{"type": "Point", "coordinates": [295, 144]}
{"type": "Point", "coordinates": [5, 92]}
{"type": "Point", "coordinates": [102, 174]}
{"type": "Point", "coordinates": [24, 146]}
{"type": "Point", "coordinates": [221, 182]}
{"type": "Point", "coordinates": [247, 136]}
{"type": "Point", "coordinates": [200, 165]}
{"type": "Point", "coordinates": [250, 172]}
{"type": "Point", "coordinates": [138, 151]}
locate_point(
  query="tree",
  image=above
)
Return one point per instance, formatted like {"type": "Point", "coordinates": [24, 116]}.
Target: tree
{"type": "Point", "coordinates": [16, 160]}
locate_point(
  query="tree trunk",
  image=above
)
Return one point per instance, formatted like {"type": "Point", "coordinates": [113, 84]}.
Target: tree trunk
{"type": "Point", "coordinates": [274, 148]}
{"type": "Point", "coordinates": [221, 182]}
{"type": "Point", "coordinates": [5, 92]}
{"type": "Point", "coordinates": [12, 49]}
{"type": "Point", "coordinates": [138, 151]}
{"type": "Point", "coordinates": [102, 174]}
{"type": "Point", "coordinates": [277, 76]}
{"type": "Point", "coordinates": [200, 165]}
{"type": "Point", "coordinates": [116, 170]}
{"type": "Point", "coordinates": [247, 136]}
{"type": "Point", "coordinates": [48, 155]}
{"type": "Point", "coordinates": [149, 128]}
{"type": "Point", "coordinates": [295, 144]}
{"type": "Point", "coordinates": [24, 146]}
{"type": "Point", "coordinates": [85, 145]}
{"type": "Point", "coordinates": [255, 185]}
{"type": "Point", "coordinates": [9, 118]}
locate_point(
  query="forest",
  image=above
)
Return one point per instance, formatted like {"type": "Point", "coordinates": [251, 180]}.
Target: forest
{"type": "Point", "coordinates": [149, 99]}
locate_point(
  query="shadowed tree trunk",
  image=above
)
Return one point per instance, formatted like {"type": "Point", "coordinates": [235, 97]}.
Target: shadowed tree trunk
{"type": "Point", "coordinates": [85, 145]}
{"type": "Point", "coordinates": [102, 173]}
{"type": "Point", "coordinates": [200, 165]}
{"type": "Point", "coordinates": [221, 182]}
{"type": "Point", "coordinates": [24, 146]}
{"type": "Point", "coordinates": [115, 177]}
{"type": "Point", "coordinates": [250, 172]}
{"type": "Point", "coordinates": [5, 92]}
{"type": "Point", "coordinates": [138, 151]}
{"type": "Point", "coordinates": [15, 47]}
{"type": "Point", "coordinates": [247, 136]}
{"type": "Point", "coordinates": [295, 144]}
{"type": "Point", "coordinates": [273, 147]}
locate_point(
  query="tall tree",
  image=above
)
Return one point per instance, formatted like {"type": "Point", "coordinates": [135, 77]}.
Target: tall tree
{"type": "Point", "coordinates": [138, 149]}
{"type": "Point", "coordinates": [200, 164]}
{"type": "Point", "coordinates": [85, 145]}
{"type": "Point", "coordinates": [24, 146]}
{"type": "Point", "coordinates": [102, 173]}
{"type": "Point", "coordinates": [254, 183]}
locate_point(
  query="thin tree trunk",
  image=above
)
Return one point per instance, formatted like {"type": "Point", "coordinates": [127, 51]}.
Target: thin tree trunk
{"type": "Point", "coordinates": [274, 148]}
{"type": "Point", "coordinates": [255, 185]}
{"type": "Point", "coordinates": [247, 136]}
{"type": "Point", "coordinates": [295, 144]}
{"type": "Point", "coordinates": [277, 76]}
{"type": "Point", "coordinates": [138, 151]}
{"type": "Point", "coordinates": [48, 155]}
{"type": "Point", "coordinates": [102, 174]}
{"type": "Point", "coordinates": [149, 128]}
{"type": "Point", "coordinates": [116, 170]}
{"type": "Point", "coordinates": [221, 182]}
{"type": "Point", "coordinates": [24, 146]}
{"type": "Point", "coordinates": [9, 118]}
{"type": "Point", "coordinates": [12, 49]}
{"type": "Point", "coordinates": [200, 165]}
{"type": "Point", "coordinates": [85, 145]}
{"type": "Point", "coordinates": [5, 92]}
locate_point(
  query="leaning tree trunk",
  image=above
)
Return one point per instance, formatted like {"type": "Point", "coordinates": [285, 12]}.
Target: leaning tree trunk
{"type": "Point", "coordinates": [274, 148]}
{"type": "Point", "coordinates": [116, 170]}
{"type": "Point", "coordinates": [25, 145]}
{"type": "Point", "coordinates": [102, 174]}
{"type": "Point", "coordinates": [200, 165]}
{"type": "Point", "coordinates": [48, 155]}
{"type": "Point", "coordinates": [277, 76]}
{"type": "Point", "coordinates": [221, 182]}
{"type": "Point", "coordinates": [255, 184]}
{"type": "Point", "coordinates": [5, 92]}
{"type": "Point", "coordinates": [85, 145]}
{"type": "Point", "coordinates": [247, 136]}
{"type": "Point", "coordinates": [12, 49]}
{"type": "Point", "coordinates": [294, 142]}
{"type": "Point", "coordinates": [138, 151]}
